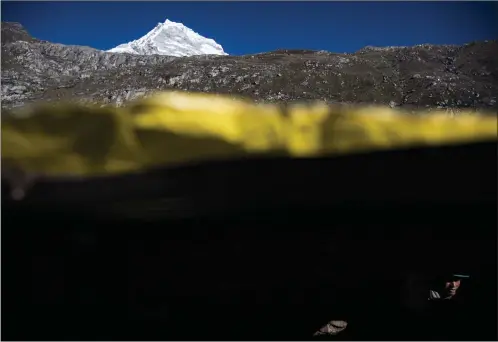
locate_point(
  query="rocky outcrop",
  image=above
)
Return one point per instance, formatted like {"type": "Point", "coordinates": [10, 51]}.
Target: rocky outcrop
{"type": "Point", "coordinates": [423, 76]}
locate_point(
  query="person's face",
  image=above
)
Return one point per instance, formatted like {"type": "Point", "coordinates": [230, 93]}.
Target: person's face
{"type": "Point", "coordinates": [452, 286]}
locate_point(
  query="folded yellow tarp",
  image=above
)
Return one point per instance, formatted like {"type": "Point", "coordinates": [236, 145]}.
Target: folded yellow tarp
{"type": "Point", "coordinates": [174, 128]}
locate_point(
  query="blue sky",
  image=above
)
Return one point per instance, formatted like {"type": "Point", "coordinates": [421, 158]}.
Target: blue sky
{"type": "Point", "coordinates": [250, 27]}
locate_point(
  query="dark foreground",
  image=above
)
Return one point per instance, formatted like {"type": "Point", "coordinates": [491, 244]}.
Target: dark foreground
{"type": "Point", "coordinates": [262, 249]}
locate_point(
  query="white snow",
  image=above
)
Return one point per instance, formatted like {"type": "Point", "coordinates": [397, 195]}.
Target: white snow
{"type": "Point", "coordinates": [171, 39]}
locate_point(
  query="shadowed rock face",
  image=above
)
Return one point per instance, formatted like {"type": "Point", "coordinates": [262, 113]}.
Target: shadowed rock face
{"type": "Point", "coordinates": [13, 32]}
{"type": "Point", "coordinates": [424, 76]}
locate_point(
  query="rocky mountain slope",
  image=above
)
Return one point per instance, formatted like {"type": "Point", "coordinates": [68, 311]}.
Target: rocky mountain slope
{"type": "Point", "coordinates": [408, 77]}
{"type": "Point", "coordinates": [171, 39]}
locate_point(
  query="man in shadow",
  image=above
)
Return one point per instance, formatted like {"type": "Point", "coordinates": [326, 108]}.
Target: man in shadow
{"type": "Point", "coordinates": [449, 307]}
{"type": "Point", "coordinates": [447, 287]}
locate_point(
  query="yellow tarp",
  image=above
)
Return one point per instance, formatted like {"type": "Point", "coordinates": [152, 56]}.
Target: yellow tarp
{"type": "Point", "coordinates": [174, 128]}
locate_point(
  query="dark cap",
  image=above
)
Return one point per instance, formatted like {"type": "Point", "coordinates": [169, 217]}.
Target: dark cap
{"type": "Point", "coordinates": [452, 276]}
{"type": "Point", "coordinates": [442, 277]}
{"type": "Point", "coordinates": [460, 276]}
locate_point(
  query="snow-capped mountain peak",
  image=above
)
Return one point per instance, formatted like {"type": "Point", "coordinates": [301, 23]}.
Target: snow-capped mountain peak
{"type": "Point", "coordinates": [171, 39]}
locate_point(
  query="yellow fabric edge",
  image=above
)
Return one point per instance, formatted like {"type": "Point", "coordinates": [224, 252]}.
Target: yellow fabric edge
{"type": "Point", "coordinates": [173, 128]}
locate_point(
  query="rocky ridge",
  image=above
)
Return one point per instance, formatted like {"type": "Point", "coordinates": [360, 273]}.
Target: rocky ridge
{"type": "Point", "coordinates": [424, 76]}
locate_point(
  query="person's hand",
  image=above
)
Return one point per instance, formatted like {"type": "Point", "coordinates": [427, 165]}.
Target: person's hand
{"type": "Point", "coordinates": [332, 328]}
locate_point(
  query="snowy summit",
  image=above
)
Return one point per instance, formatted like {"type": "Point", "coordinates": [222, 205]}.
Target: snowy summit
{"type": "Point", "coordinates": [171, 39]}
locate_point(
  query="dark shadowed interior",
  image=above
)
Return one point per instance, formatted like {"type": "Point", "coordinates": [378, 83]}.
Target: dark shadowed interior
{"type": "Point", "coordinates": [256, 249]}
